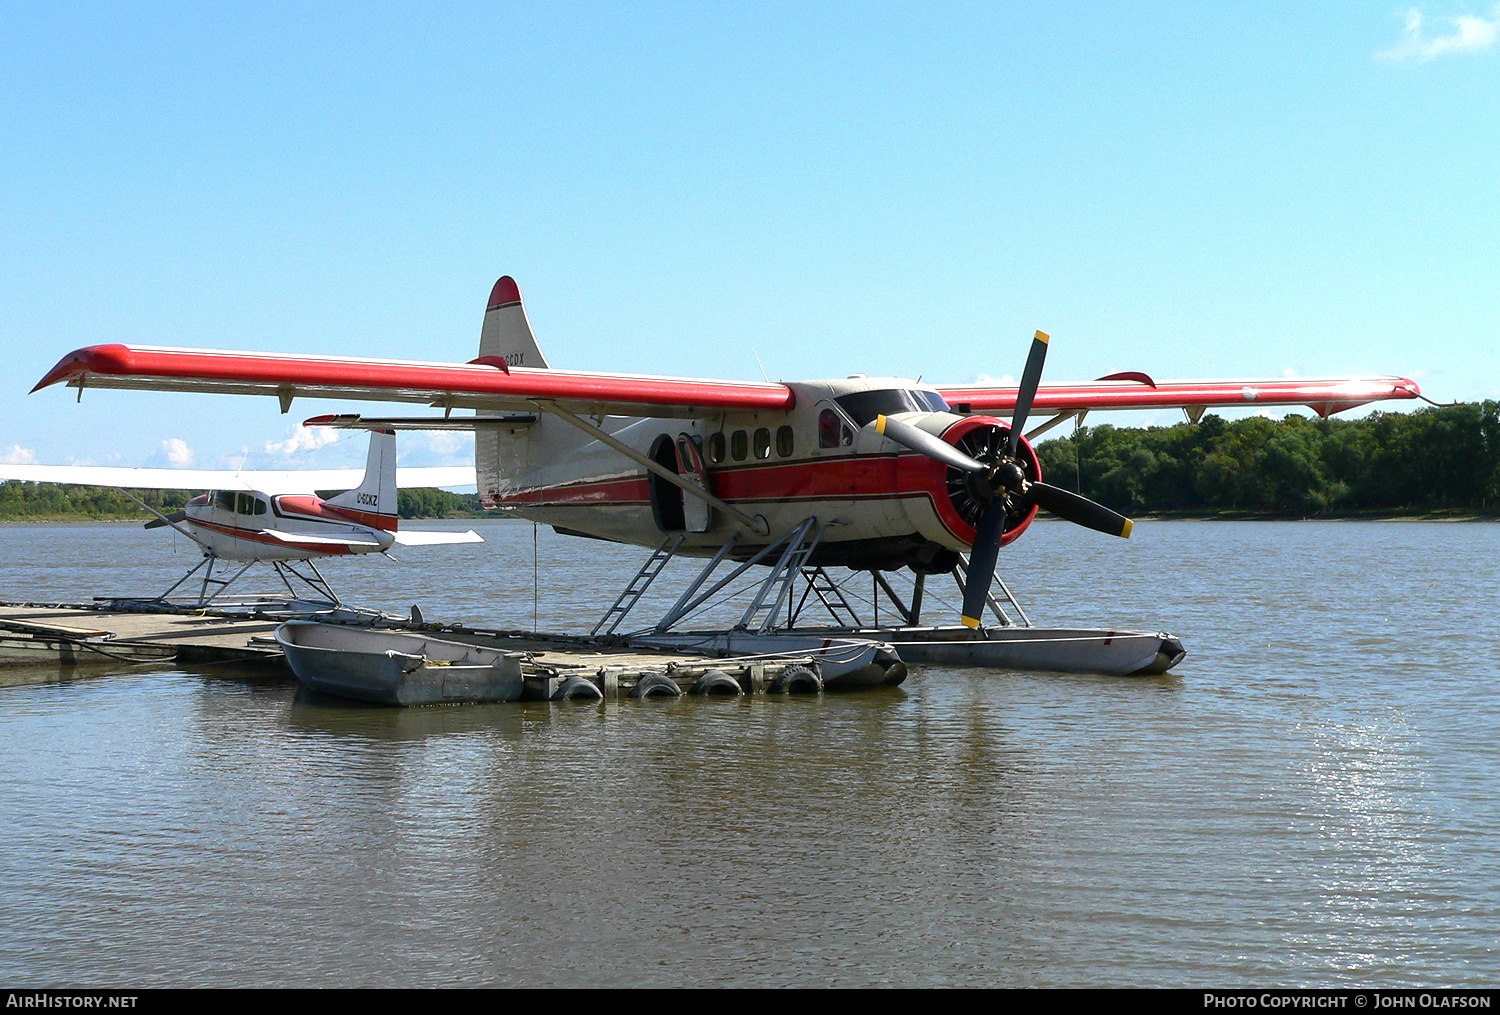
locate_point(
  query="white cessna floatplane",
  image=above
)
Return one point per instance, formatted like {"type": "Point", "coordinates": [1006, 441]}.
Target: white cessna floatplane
{"type": "Point", "coordinates": [870, 474]}
{"type": "Point", "coordinates": [275, 518]}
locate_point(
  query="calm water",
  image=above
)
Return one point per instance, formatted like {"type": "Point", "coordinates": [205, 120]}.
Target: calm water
{"type": "Point", "coordinates": [1308, 799]}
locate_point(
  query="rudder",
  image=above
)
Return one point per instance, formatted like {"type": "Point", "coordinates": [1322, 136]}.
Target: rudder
{"type": "Point", "coordinates": [375, 497]}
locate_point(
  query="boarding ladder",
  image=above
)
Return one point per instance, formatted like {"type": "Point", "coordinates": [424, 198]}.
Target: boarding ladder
{"type": "Point", "coordinates": [761, 615]}
{"type": "Point", "coordinates": [638, 585]}
{"type": "Point", "coordinates": [961, 575]}
{"type": "Point", "coordinates": [822, 585]}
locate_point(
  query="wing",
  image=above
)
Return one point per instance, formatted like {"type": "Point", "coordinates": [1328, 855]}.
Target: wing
{"type": "Point", "coordinates": [430, 537]}
{"type": "Point", "coordinates": [482, 384]}
{"type": "Point", "coordinates": [427, 477]}
{"type": "Point", "coordinates": [1138, 391]}
{"type": "Point", "coordinates": [210, 479]}
{"type": "Point", "coordinates": [490, 384]}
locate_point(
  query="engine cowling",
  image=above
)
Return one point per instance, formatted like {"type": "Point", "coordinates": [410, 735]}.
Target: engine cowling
{"type": "Point", "coordinates": [959, 497]}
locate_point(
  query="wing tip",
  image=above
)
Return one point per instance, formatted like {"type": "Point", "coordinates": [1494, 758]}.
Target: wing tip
{"type": "Point", "coordinates": [105, 359]}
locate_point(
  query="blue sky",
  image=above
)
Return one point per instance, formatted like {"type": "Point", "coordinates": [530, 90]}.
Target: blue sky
{"type": "Point", "coordinates": [1304, 189]}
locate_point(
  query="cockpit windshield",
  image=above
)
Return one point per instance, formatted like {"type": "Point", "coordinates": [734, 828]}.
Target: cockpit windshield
{"type": "Point", "coordinates": [864, 406]}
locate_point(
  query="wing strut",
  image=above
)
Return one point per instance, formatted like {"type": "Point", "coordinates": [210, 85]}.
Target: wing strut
{"type": "Point", "coordinates": [164, 519]}
{"type": "Point", "coordinates": [757, 525]}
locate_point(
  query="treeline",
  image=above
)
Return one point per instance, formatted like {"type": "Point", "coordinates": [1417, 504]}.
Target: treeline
{"type": "Point", "coordinates": [1433, 460]}
{"type": "Point", "coordinates": [42, 501]}
{"type": "Point", "coordinates": [1443, 459]}
{"type": "Point", "coordinates": [437, 504]}
{"type": "Point", "coordinates": [65, 502]}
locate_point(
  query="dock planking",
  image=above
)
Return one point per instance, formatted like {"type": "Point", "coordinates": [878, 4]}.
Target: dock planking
{"type": "Point", "coordinates": [96, 636]}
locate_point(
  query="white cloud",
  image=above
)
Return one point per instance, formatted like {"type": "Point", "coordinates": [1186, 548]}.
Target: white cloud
{"type": "Point", "coordinates": [1467, 33]}
{"type": "Point", "coordinates": [18, 455]}
{"type": "Point", "coordinates": [446, 444]}
{"type": "Point", "coordinates": [303, 439]}
{"type": "Point", "coordinates": [441, 447]}
{"type": "Point", "coordinates": [1004, 380]}
{"type": "Point", "coordinates": [177, 453]}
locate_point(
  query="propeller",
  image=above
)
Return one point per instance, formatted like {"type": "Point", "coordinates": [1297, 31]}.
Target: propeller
{"type": "Point", "coordinates": [999, 482]}
{"type": "Point", "coordinates": [171, 519]}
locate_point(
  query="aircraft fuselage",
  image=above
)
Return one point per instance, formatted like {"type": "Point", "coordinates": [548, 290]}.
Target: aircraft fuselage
{"type": "Point", "coordinates": [887, 506]}
{"type": "Point", "coordinates": [240, 525]}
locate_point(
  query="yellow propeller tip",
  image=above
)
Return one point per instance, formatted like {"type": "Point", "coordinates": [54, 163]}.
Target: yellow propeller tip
{"type": "Point", "coordinates": [880, 425]}
{"type": "Point", "coordinates": [969, 622]}
{"type": "Point", "coordinates": [1043, 337]}
{"type": "Point", "coordinates": [1125, 532]}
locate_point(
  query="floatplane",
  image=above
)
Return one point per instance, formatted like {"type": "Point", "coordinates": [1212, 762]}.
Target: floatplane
{"type": "Point", "coordinates": [275, 518]}
{"type": "Point", "coordinates": [863, 473]}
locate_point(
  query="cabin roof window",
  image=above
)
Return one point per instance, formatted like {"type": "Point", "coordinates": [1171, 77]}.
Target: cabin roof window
{"type": "Point", "coordinates": [864, 406]}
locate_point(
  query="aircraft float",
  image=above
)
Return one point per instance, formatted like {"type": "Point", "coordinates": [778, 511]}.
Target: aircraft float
{"type": "Point", "coordinates": [867, 473]}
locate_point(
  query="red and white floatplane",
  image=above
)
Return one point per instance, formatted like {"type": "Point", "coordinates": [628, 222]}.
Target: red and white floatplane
{"type": "Point", "coordinates": [275, 518]}
{"type": "Point", "coordinates": [868, 474]}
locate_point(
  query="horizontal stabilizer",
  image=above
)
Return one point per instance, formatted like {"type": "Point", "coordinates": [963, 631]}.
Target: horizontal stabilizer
{"type": "Point", "coordinates": [298, 539]}
{"type": "Point", "coordinates": [428, 537]}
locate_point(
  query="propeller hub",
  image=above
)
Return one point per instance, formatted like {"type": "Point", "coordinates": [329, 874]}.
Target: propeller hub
{"type": "Point", "coordinates": [1009, 476]}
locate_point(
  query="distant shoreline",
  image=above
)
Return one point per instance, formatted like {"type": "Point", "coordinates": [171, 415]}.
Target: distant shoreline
{"type": "Point", "coordinates": [1161, 516]}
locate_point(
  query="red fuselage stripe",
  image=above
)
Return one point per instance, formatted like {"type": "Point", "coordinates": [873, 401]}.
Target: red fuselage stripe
{"type": "Point", "coordinates": [255, 536]}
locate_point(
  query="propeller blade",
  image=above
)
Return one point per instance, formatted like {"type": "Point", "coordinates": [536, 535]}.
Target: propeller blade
{"type": "Point", "coordinates": [1079, 510]}
{"type": "Point", "coordinates": [171, 519]}
{"type": "Point", "coordinates": [921, 441]}
{"type": "Point", "coordinates": [982, 561]}
{"type": "Point", "coordinates": [1030, 378]}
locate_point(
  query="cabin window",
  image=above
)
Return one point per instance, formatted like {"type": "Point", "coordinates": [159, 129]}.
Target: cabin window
{"type": "Point", "coordinates": [763, 443]}
{"type": "Point", "coordinates": [246, 504]}
{"type": "Point", "coordinates": [224, 500]}
{"type": "Point", "coordinates": [739, 446]}
{"type": "Point", "coordinates": [828, 429]}
{"type": "Point", "coordinates": [784, 442]}
{"type": "Point", "coordinates": [260, 506]}
{"type": "Point", "coordinates": [716, 448]}
{"type": "Point", "coordinates": [833, 431]}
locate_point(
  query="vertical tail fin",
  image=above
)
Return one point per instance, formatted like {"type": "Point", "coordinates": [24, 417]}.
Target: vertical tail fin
{"type": "Point", "coordinates": [507, 332]}
{"type": "Point", "coordinates": [501, 459]}
{"type": "Point", "coordinates": [375, 498]}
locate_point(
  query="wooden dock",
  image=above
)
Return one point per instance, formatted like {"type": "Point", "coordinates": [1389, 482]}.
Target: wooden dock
{"type": "Point", "coordinates": [98, 636]}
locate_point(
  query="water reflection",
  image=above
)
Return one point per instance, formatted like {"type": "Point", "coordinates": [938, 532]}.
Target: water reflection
{"type": "Point", "coordinates": [1307, 799]}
